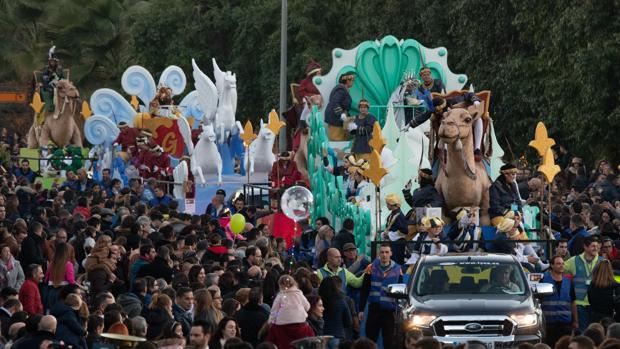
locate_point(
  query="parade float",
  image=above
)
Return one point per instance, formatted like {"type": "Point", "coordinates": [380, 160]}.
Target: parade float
{"type": "Point", "coordinates": [200, 145]}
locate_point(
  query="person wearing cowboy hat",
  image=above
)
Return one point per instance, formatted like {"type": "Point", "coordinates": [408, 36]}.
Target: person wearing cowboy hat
{"type": "Point", "coordinates": [361, 129]}
{"type": "Point", "coordinates": [503, 194]}
{"type": "Point", "coordinates": [284, 172]}
{"type": "Point", "coordinates": [337, 110]}
{"type": "Point", "coordinates": [428, 241]}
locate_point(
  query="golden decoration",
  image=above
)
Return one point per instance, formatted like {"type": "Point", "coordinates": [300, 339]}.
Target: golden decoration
{"type": "Point", "coordinates": [549, 168]}
{"type": "Point", "coordinates": [140, 118]}
{"type": "Point", "coordinates": [541, 140]}
{"type": "Point", "coordinates": [86, 112]}
{"type": "Point", "coordinates": [134, 102]}
{"type": "Point", "coordinates": [36, 104]}
{"type": "Point", "coordinates": [377, 142]}
{"type": "Point", "coordinates": [275, 124]}
{"type": "Point", "coordinates": [248, 134]}
{"type": "Point", "coordinates": [375, 172]}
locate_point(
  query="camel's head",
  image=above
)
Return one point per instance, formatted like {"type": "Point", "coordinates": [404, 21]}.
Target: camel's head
{"type": "Point", "coordinates": [455, 125]}
{"type": "Point", "coordinates": [66, 89]}
{"type": "Point", "coordinates": [265, 133]}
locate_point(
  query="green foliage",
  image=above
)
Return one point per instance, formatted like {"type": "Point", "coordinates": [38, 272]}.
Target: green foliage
{"type": "Point", "coordinates": [543, 60]}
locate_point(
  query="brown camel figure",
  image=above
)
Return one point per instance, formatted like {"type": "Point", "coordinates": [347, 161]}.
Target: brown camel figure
{"type": "Point", "coordinates": [462, 181]}
{"type": "Point", "coordinates": [59, 126]}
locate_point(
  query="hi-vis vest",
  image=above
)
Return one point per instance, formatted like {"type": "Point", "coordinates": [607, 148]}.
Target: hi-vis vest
{"type": "Point", "coordinates": [379, 281]}
{"type": "Point", "coordinates": [557, 307]}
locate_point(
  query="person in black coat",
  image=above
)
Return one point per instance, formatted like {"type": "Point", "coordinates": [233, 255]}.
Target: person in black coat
{"type": "Point", "coordinates": [252, 316]}
{"type": "Point", "coordinates": [47, 327]}
{"type": "Point", "coordinates": [426, 195]}
{"type": "Point", "coordinates": [70, 327]}
{"type": "Point", "coordinates": [345, 235]}
{"type": "Point", "coordinates": [158, 316]}
{"type": "Point", "coordinates": [32, 251]}
{"type": "Point", "coordinates": [503, 194]}
{"type": "Point", "coordinates": [159, 268]}
{"type": "Point", "coordinates": [338, 107]}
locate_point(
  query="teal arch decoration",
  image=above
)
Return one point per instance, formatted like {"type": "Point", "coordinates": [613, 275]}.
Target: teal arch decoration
{"type": "Point", "coordinates": [380, 66]}
{"type": "Point", "coordinates": [329, 191]}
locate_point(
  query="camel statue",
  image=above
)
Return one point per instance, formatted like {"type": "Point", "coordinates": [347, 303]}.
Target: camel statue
{"type": "Point", "coordinates": [59, 126]}
{"type": "Point", "coordinates": [462, 181]}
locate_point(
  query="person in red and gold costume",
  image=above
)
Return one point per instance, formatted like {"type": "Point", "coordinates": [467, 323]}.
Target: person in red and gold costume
{"type": "Point", "coordinates": [162, 167]}
{"type": "Point", "coordinates": [306, 87]}
{"type": "Point", "coordinates": [127, 137]}
{"type": "Point", "coordinates": [163, 98]}
{"type": "Point", "coordinates": [284, 172]}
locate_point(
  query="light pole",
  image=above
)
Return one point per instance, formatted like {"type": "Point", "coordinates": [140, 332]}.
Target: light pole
{"type": "Point", "coordinates": [283, 61]}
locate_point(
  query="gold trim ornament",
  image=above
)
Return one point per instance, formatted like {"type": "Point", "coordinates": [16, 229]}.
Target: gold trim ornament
{"type": "Point", "coordinates": [541, 140]}
{"type": "Point", "coordinates": [377, 142]}
{"type": "Point", "coordinates": [275, 124]}
{"type": "Point", "coordinates": [375, 171]}
{"type": "Point", "coordinates": [248, 135]}
{"type": "Point", "coordinates": [548, 167]}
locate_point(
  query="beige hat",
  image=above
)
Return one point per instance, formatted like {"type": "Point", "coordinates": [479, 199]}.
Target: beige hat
{"type": "Point", "coordinates": [392, 199]}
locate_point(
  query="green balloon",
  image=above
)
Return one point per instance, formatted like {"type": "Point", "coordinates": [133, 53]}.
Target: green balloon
{"type": "Point", "coordinates": [237, 223]}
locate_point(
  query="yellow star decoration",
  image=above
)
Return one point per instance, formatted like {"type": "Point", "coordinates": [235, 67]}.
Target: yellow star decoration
{"type": "Point", "coordinates": [377, 142]}
{"type": "Point", "coordinates": [248, 135]}
{"type": "Point", "coordinates": [375, 172]}
{"type": "Point", "coordinates": [134, 102]}
{"type": "Point", "coordinates": [549, 168]}
{"type": "Point", "coordinates": [86, 112]}
{"type": "Point", "coordinates": [36, 104]}
{"type": "Point", "coordinates": [541, 140]}
{"type": "Point", "coordinates": [275, 124]}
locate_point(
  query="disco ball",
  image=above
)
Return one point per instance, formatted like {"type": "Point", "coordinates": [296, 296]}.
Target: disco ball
{"type": "Point", "coordinates": [296, 203]}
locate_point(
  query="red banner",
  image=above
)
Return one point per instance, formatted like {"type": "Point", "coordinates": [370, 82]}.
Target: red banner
{"type": "Point", "coordinates": [166, 133]}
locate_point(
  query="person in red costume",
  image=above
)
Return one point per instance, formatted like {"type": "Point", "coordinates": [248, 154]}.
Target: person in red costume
{"type": "Point", "coordinates": [284, 172]}
{"type": "Point", "coordinates": [306, 87]}
{"type": "Point", "coordinates": [162, 167]}
{"type": "Point", "coordinates": [127, 137]}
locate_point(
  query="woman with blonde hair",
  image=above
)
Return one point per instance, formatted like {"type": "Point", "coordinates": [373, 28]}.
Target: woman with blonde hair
{"type": "Point", "coordinates": [158, 316]}
{"type": "Point", "coordinates": [603, 292]}
{"type": "Point", "coordinates": [204, 308]}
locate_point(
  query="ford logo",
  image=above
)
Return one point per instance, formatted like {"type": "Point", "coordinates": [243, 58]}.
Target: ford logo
{"type": "Point", "coordinates": [473, 327]}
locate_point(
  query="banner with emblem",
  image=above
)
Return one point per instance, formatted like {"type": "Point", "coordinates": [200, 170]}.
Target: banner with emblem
{"type": "Point", "coordinates": [167, 134]}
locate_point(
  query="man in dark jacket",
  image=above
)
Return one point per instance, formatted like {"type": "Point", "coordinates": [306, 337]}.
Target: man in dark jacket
{"type": "Point", "coordinates": [181, 309]}
{"type": "Point", "coordinates": [46, 332]}
{"type": "Point", "coordinates": [345, 235]}
{"type": "Point", "coordinates": [33, 247]}
{"type": "Point", "coordinates": [132, 302]}
{"type": "Point", "coordinates": [159, 268]}
{"type": "Point", "coordinates": [503, 194]}
{"type": "Point", "coordinates": [426, 195]}
{"type": "Point", "coordinates": [252, 316]}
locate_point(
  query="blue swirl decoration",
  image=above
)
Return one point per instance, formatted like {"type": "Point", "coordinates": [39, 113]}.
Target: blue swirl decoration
{"type": "Point", "coordinates": [137, 81]}
{"type": "Point", "coordinates": [191, 107]}
{"type": "Point", "coordinates": [99, 129]}
{"type": "Point", "coordinates": [107, 102]}
{"type": "Point", "coordinates": [173, 77]}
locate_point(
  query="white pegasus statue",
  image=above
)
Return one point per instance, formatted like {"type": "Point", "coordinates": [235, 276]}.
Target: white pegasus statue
{"type": "Point", "coordinates": [218, 101]}
{"type": "Point", "coordinates": [180, 174]}
{"type": "Point", "coordinates": [206, 158]}
{"type": "Point", "coordinates": [260, 152]}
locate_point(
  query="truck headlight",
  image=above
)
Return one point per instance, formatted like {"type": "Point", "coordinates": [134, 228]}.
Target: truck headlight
{"type": "Point", "coordinates": [525, 320]}
{"type": "Point", "coordinates": [420, 320]}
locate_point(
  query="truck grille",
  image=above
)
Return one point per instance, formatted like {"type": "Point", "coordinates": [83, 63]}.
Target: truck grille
{"type": "Point", "coordinates": [446, 326]}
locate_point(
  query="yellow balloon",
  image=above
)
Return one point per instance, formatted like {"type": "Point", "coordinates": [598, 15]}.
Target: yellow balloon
{"type": "Point", "coordinates": [237, 223]}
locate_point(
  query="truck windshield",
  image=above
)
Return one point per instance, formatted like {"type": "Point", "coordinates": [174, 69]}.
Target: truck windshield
{"type": "Point", "coordinates": [469, 277]}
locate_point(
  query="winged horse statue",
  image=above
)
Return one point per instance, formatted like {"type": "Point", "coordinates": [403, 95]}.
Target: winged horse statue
{"type": "Point", "coordinates": [218, 101]}
{"type": "Point", "coordinates": [205, 157]}
{"type": "Point", "coordinates": [261, 155]}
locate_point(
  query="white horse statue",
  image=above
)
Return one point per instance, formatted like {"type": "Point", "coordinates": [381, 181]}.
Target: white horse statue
{"type": "Point", "coordinates": [218, 101]}
{"type": "Point", "coordinates": [180, 174]}
{"type": "Point", "coordinates": [206, 158]}
{"type": "Point", "coordinates": [260, 152]}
